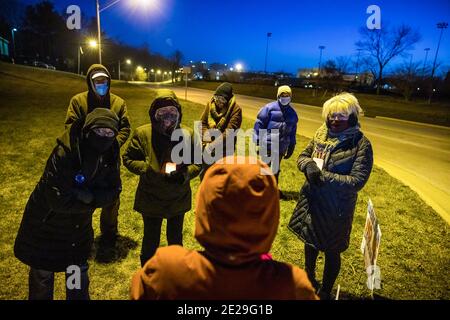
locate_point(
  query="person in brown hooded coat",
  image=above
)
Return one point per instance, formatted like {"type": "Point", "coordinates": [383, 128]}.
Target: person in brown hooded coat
{"type": "Point", "coordinates": [237, 216]}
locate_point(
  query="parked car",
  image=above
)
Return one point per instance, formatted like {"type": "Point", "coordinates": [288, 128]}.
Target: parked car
{"type": "Point", "coordinates": [44, 65]}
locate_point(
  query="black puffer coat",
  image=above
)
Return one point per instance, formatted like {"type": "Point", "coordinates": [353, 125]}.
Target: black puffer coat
{"type": "Point", "coordinates": [324, 214]}
{"type": "Point", "coordinates": [56, 229]}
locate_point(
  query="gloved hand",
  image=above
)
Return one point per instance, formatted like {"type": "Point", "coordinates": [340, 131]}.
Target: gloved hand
{"type": "Point", "coordinates": [289, 152]}
{"type": "Point", "coordinates": [84, 195]}
{"type": "Point", "coordinates": [313, 173]}
{"type": "Point", "coordinates": [177, 177]}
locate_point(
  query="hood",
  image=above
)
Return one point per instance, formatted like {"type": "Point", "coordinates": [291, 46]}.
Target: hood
{"type": "Point", "coordinates": [164, 98]}
{"type": "Point", "coordinates": [225, 90]}
{"type": "Point", "coordinates": [91, 70]}
{"type": "Point", "coordinates": [237, 210]}
{"type": "Point", "coordinates": [101, 118]}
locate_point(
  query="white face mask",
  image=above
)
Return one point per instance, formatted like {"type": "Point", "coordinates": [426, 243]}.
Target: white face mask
{"type": "Point", "coordinates": [284, 100]}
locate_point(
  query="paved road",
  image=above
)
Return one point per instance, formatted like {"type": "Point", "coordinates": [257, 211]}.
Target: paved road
{"type": "Point", "coordinates": [416, 154]}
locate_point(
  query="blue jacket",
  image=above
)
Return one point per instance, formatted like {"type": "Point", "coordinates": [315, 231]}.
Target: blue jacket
{"type": "Point", "coordinates": [276, 116]}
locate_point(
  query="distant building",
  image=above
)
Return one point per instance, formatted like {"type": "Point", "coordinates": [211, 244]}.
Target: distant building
{"type": "Point", "coordinates": [308, 73]}
{"type": "Point", "coordinates": [362, 78]}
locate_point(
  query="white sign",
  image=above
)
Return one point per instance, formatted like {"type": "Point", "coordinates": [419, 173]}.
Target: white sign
{"type": "Point", "coordinates": [187, 70]}
{"type": "Point", "coordinates": [319, 162]}
{"type": "Point", "coordinates": [370, 246]}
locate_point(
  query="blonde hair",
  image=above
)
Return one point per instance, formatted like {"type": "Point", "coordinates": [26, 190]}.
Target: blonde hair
{"type": "Point", "coordinates": [344, 102]}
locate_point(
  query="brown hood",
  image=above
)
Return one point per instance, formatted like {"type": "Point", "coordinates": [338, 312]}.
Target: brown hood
{"type": "Point", "coordinates": [237, 210]}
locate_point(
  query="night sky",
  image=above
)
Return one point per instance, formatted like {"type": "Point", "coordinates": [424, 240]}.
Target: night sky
{"type": "Point", "coordinates": [234, 31]}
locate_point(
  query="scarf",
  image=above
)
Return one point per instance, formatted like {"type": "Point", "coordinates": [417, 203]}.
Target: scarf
{"type": "Point", "coordinates": [219, 119]}
{"type": "Point", "coordinates": [325, 141]}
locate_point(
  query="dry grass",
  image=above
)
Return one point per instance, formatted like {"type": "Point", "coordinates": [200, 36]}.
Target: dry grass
{"type": "Point", "coordinates": [414, 256]}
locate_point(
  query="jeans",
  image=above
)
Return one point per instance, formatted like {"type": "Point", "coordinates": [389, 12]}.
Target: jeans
{"type": "Point", "coordinates": [152, 234]}
{"type": "Point", "coordinates": [41, 284]}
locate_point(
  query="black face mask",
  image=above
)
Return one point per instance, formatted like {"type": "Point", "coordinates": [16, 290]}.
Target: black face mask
{"type": "Point", "coordinates": [99, 144]}
{"type": "Point", "coordinates": [337, 126]}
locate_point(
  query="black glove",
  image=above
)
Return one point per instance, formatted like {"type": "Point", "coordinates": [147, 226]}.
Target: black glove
{"type": "Point", "coordinates": [313, 173]}
{"type": "Point", "coordinates": [84, 195]}
{"type": "Point", "coordinates": [289, 152]}
{"type": "Point", "coordinates": [177, 177]}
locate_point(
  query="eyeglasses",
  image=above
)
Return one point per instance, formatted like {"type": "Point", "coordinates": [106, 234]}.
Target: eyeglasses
{"type": "Point", "coordinates": [104, 132]}
{"type": "Point", "coordinates": [338, 116]}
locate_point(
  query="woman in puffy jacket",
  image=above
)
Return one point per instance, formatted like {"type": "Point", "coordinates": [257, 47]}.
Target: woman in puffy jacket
{"type": "Point", "coordinates": [337, 164]}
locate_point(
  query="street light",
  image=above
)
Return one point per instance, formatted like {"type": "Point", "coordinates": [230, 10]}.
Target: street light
{"type": "Point", "coordinates": [357, 64]}
{"type": "Point", "coordinates": [127, 61]}
{"type": "Point", "coordinates": [99, 10]}
{"type": "Point", "coordinates": [320, 58]}
{"type": "Point", "coordinates": [157, 72]}
{"type": "Point", "coordinates": [238, 67]}
{"type": "Point", "coordinates": [14, 43]}
{"type": "Point", "coordinates": [425, 61]}
{"type": "Point", "coordinates": [269, 34]}
{"type": "Point", "coordinates": [92, 43]}
{"type": "Point", "coordinates": [442, 26]}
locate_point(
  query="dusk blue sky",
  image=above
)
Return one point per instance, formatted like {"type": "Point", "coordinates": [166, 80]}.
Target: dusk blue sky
{"type": "Point", "coordinates": [235, 30]}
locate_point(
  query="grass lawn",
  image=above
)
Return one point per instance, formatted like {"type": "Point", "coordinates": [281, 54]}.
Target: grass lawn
{"type": "Point", "coordinates": [415, 247]}
{"type": "Point", "coordinates": [420, 111]}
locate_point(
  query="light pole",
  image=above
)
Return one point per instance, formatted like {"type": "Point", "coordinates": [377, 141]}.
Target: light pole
{"type": "Point", "coordinates": [92, 44]}
{"type": "Point", "coordinates": [320, 58]}
{"type": "Point", "coordinates": [80, 52]}
{"type": "Point", "coordinates": [425, 61]}
{"type": "Point", "coordinates": [269, 34]}
{"type": "Point", "coordinates": [442, 26]}
{"type": "Point", "coordinates": [99, 10]}
{"type": "Point", "coordinates": [158, 72]}
{"type": "Point", "coordinates": [14, 44]}
{"type": "Point", "coordinates": [128, 61]}
{"type": "Point", "coordinates": [357, 64]}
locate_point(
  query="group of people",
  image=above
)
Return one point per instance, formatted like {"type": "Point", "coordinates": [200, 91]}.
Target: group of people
{"type": "Point", "coordinates": [237, 206]}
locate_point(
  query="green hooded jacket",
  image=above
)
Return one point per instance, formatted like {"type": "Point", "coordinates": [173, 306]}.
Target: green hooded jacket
{"type": "Point", "coordinates": [155, 196]}
{"type": "Point", "coordinates": [83, 103]}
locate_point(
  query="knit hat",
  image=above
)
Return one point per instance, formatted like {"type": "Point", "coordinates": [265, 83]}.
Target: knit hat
{"type": "Point", "coordinates": [225, 90]}
{"type": "Point", "coordinates": [101, 118]}
{"type": "Point", "coordinates": [284, 89]}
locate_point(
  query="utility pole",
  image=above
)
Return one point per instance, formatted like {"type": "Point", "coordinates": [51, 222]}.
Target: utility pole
{"type": "Point", "coordinates": [442, 26]}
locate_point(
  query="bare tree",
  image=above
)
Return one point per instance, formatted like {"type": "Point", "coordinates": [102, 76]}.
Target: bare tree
{"type": "Point", "coordinates": [383, 45]}
{"type": "Point", "coordinates": [343, 64]}
{"type": "Point", "coordinates": [406, 78]}
{"type": "Point", "coordinates": [176, 59]}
